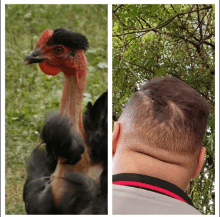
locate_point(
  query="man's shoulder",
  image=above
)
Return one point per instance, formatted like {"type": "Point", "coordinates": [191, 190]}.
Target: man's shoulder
{"type": "Point", "coordinates": [133, 200]}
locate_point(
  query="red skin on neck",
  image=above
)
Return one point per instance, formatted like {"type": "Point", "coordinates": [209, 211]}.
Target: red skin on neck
{"type": "Point", "coordinates": [75, 71]}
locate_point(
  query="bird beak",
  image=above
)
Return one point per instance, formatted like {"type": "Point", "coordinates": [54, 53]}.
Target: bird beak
{"type": "Point", "coordinates": [33, 57]}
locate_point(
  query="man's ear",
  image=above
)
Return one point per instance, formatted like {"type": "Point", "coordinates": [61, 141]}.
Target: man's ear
{"type": "Point", "coordinates": [200, 162]}
{"type": "Point", "coordinates": [115, 137]}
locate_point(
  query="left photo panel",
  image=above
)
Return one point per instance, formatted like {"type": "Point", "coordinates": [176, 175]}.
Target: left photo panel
{"type": "Point", "coordinates": [56, 102]}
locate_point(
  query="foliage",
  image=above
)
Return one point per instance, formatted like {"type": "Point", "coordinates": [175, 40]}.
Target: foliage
{"type": "Point", "coordinates": [168, 40]}
{"type": "Point", "coordinates": [31, 95]}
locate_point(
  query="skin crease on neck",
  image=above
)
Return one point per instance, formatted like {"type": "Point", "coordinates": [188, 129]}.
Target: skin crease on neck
{"type": "Point", "coordinates": [128, 160]}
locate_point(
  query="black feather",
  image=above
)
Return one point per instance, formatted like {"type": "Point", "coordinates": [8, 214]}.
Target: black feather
{"type": "Point", "coordinates": [81, 194]}
{"type": "Point", "coordinates": [70, 39]}
{"type": "Point", "coordinates": [95, 122]}
{"type": "Point", "coordinates": [61, 140]}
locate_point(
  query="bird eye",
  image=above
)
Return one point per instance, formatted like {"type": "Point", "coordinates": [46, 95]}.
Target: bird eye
{"type": "Point", "coordinates": [58, 50]}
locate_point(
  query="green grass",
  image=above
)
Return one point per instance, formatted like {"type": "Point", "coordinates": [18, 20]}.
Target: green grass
{"type": "Point", "coordinates": [30, 94]}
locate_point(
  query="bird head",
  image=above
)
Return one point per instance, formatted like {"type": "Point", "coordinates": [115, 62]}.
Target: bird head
{"type": "Point", "coordinates": [60, 50]}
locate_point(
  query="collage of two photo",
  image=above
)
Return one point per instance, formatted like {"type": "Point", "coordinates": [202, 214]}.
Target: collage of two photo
{"type": "Point", "coordinates": [110, 109]}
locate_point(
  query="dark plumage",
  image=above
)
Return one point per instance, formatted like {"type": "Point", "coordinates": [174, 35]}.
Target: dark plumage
{"type": "Point", "coordinates": [69, 39]}
{"type": "Point", "coordinates": [81, 195]}
{"type": "Point", "coordinates": [37, 193]}
{"type": "Point", "coordinates": [95, 123]}
{"type": "Point", "coordinates": [61, 140]}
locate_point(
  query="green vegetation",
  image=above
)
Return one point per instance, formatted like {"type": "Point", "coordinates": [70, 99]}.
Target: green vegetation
{"type": "Point", "coordinates": [30, 94]}
{"type": "Point", "coordinates": [169, 40]}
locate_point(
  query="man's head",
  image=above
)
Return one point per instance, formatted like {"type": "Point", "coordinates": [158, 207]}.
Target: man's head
{"type": "Point", "coordinates": [165, 119]}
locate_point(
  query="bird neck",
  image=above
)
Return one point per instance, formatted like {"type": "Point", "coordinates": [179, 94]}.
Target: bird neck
{"type": "Point", "coordinates": [71, 102]}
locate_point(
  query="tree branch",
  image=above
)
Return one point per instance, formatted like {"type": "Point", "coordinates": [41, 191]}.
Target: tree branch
{"type": "Point", "coordinates": [119, 6]}
{"type": "Point", "coordinates": [141, 67]}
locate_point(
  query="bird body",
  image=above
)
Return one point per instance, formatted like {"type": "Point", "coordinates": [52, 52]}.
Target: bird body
{"type": "Point", "coordinates": [62, 50]}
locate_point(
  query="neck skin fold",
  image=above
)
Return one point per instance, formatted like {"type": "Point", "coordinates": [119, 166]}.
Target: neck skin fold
{"type": "Point", "coordinates": [127, 161]}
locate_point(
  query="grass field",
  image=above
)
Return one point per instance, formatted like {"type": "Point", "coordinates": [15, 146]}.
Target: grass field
{"type": "Point", "coordinates": [30, 94]}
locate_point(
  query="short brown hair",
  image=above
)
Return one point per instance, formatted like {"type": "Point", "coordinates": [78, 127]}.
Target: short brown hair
{"type": "Point", "coordinates": [168, 114]}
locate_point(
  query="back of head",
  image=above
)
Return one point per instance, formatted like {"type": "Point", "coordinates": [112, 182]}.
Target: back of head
{"type": "Point", "coordinates": [167, 116]}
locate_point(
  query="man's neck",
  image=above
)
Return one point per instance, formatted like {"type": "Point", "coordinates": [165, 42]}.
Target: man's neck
{"type": "Point", "coordinates": [127, 161]}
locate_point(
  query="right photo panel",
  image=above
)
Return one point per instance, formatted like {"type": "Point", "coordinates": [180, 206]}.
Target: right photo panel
{"type": "Point", "coordinates": [163, 96]}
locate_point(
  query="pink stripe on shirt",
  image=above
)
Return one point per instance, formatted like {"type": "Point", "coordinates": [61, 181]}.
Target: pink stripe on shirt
{"type": "Point", "coordinates": [143, 185]}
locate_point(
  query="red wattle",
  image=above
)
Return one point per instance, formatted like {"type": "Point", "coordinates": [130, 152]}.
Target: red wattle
{"type": "Point", "coordinates": [49, 70]}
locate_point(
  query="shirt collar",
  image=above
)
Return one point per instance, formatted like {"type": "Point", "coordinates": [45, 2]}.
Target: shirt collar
{"type": "Point", "coordinates": [152, 184]}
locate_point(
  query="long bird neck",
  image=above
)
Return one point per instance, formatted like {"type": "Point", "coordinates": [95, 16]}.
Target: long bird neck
{"type": "Point", "coordinates": [74, 85]}
{"type": "Point", "coordinates": [71, 103]}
